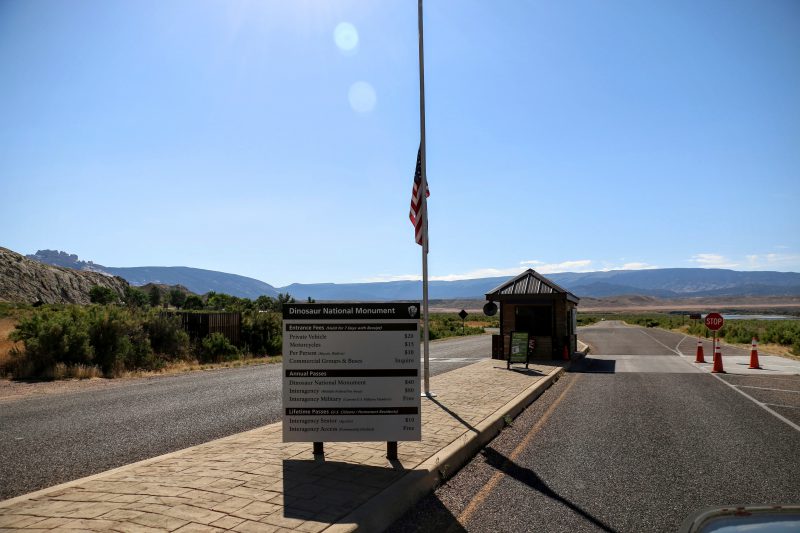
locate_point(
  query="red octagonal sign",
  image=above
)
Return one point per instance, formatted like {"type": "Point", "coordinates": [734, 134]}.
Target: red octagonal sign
{"type": "Point", "coordinates": [714, 321]}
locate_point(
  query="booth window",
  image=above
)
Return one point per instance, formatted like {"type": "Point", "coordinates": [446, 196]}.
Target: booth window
{"type": "Point", "coordinates": [537, 320]}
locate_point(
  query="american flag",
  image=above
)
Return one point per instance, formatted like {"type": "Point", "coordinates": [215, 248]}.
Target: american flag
{"type": "Point", "coordinates": [416, 200]}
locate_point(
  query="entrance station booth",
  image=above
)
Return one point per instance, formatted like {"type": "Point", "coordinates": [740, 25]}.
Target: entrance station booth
{"type": "Point", "coordinates": [533, 304]}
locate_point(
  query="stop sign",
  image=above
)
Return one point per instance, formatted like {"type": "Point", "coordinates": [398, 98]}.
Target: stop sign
{"type": "Point", "coordinates": [714, 321]}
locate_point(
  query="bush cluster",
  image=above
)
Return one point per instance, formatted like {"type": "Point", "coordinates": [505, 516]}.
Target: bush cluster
{"type": "Point", "coordinates": [782, 332]}
{"type": "Point", "coordinates": [216, 348]}
{"type": "Point", "coordinates": [262, 333]}
{"type": "Point", "coordinates": [109, 338]}
{"type": "Point", "coordinates": [449, 325]}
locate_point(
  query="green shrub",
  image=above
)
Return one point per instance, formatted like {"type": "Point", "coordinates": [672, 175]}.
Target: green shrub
{"type": "Point", "coordinates": [193, 302]}
{"type": "Point", "coordinates": [119, 341]}
{"type": "Point", "coordinates": [154, 296]}
{"type": "Point", "coordinates": [167, 337]}
{"type": "Point", "coordinates": [262, 333]}
{"type": "Point", "coordinates": [51, 336]}
{"type": "Point", "coordinates": [102, 295]}
{"type": "Point", "coordinates": [177, 298]}
{"type": "Point", "coordinates": [135, 297]}
{"type": "Point", "coordinates": [216, 348]}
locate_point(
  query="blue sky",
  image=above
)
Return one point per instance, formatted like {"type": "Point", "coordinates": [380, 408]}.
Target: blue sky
{"type": "Point", "coordinates": [254, 137]}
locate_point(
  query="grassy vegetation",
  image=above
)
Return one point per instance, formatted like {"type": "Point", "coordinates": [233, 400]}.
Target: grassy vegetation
{"type": "Point", "coordinates": [73, 341]}
{"type": "Point", "coordinates": [130, 338]}
{"type": "Point", "coordinates": [445, 325]}
{"type": "Point", "coordinates": [784, 333]}
{"type": "Point", "coordinates": [12, 310]}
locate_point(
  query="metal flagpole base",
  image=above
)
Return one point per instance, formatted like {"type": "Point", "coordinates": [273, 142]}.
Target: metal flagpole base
{"type": "Point", "coordinates": [428, 395]}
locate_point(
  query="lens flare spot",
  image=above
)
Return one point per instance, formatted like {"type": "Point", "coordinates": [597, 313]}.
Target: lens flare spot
{"type": "Point", "coordinates": [345, 35]}
{"type": "Point", "coordinates": [362, 97]}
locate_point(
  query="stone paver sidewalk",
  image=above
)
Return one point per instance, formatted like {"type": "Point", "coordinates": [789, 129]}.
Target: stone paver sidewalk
{"type": "Point", "coordinates": [254, 482]}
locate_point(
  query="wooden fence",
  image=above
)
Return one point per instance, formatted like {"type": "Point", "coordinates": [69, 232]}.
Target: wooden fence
{"type": "Point", "coordinates": [200, 325]}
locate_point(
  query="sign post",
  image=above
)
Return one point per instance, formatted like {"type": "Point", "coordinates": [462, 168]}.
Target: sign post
{"type": "Point", "coordinates": [351, 373]}
{"type": "Point", "coordinates": [463, 314]}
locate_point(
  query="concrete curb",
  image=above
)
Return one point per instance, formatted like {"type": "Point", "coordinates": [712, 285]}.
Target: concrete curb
{"type": "Point", "coordinates": [584, 348]}
{"type": "Point", "coordinates": [382, 510]}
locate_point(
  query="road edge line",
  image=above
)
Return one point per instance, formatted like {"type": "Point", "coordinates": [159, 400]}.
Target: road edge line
{"type": "Point", "coordinates": [383, 509]}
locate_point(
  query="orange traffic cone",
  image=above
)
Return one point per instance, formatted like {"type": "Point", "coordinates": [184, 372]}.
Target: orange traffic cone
{"type": "Point", "coordinates": [717, 369]}
{"type": "Point", "coordinates": [699, 358]}
{"type": "Point", "coordinates": [754, 355]}
{"type": "Point", "coordinates": [566, 353]}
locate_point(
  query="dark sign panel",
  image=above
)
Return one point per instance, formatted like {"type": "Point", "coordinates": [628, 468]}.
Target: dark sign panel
{"type": "Point", "coordinates": [351, 372]}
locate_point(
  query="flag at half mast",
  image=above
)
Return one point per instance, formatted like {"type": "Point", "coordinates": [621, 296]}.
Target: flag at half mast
{"type": "Point", "coordinates": [416, 200]}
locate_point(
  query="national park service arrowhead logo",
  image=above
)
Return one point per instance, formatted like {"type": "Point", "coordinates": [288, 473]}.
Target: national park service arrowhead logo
{"type": "Point", "coordinates": [412, 311]}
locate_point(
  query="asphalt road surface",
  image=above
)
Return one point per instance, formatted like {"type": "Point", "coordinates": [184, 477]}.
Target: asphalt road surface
{"type": "Point", "coordinates": [634, 438]}
{"type": "Point", "coordinates": [57, 438]}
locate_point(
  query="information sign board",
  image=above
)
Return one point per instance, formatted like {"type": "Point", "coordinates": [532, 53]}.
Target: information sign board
{"type": "Point", "coordinates": [351, 372]}
{"type": "Point", "coordinates": [519, 347]}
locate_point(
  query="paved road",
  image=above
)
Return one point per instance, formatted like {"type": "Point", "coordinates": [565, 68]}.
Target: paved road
{"type": "Point", "coordinates": [635, 438]}
{"type": "Point", "coordinates": [49, 440]}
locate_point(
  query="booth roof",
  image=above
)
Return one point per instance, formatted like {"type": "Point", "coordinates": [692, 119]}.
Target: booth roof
{"type": "Point", "coordinates": [531, 283]}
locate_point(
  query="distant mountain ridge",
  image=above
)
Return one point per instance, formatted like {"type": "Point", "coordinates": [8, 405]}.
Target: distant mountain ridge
{"type": "Point", "coordinates": [680, 282]}
{"type": "Point", "coordinates": [660, 283]}
{"type": "Point", "coordinates": [197, 280]}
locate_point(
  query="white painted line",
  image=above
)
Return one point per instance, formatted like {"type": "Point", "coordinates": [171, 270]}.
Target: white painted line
{"type": "Point", "coordinates": [760, 404]}
{"type": "Point", "coordinates": [676, 352]}
{"type": "Point", "coordinates": [767, 388]}
{"type": "Point", "coordinates": [600, 355]}
{"type": "Point", "coordinates": [452, 359]}
{"type": "Point", "coordinates": [784, 406]}
{"type": "Point", "coordinates": [677, 346]}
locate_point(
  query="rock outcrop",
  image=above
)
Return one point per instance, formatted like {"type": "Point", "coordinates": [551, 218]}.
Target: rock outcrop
{"type": "Point", "coordinates": [26, 281]}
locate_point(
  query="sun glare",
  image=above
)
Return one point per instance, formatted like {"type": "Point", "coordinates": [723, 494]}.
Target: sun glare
{"type": "Point", "coordinates": [345, 36]}
{"type": "Point", "coordinates": [362, 97]}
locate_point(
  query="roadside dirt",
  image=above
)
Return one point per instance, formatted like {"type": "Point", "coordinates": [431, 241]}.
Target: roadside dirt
{"type": "Point", "coordinates": [17, 390]}
{"type": "Point", "coordinates": [11, 390]}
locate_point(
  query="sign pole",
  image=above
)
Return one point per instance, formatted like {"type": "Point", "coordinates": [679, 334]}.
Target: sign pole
{"type": "Point", "coordinates": [424, 212]}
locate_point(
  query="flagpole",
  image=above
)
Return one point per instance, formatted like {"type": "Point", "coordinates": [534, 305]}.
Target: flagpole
{"type": "Point", "coordinates": [424, 210]}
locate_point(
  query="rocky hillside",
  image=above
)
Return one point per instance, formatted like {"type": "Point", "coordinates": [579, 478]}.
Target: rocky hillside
{"type": "Point", "coordinates": [27, 281]}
